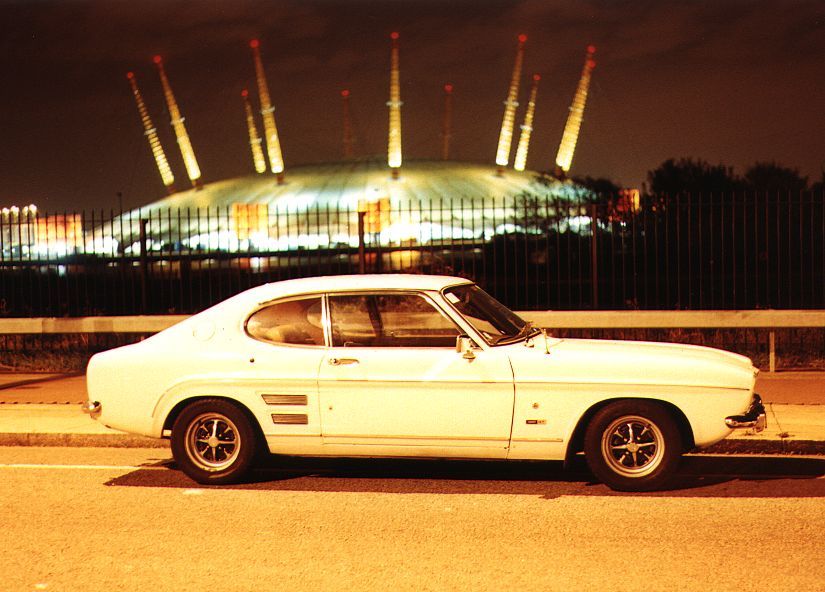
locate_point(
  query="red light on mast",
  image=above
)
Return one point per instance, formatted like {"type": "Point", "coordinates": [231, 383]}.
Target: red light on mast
{"type": "Point", "coordinates": [244, 93]}
{"type": "Point", "coordinates": [448, 88]}
{"type": "Point", "coordinates": [536, 77]}
{"type": "Point", "coordinates": [591, 49]}
{"type": "Point", "coordinates": [394, 35]}
{"type": "Point", "coordinates": [254, 43]}
{"type": "Point", "coordinates": [345, 93]}
{"type": "Point", "coordinates": [522, 38]}
{"type": "Point", "coordinates": [157, 59]}
{"type": "Point", "coordinates": [130, 75]}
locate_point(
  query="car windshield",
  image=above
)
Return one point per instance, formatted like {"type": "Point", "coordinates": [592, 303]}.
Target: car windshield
{"type": "Point", "coordinates": [496, 323]}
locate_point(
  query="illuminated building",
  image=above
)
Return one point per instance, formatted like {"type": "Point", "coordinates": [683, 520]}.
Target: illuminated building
{"type": "Point", "coordinates": [151, 133]}
{"type": "Point", "coordinates": [564, 158]}
{"type": "Point", "coordinates": [447, 126]}
{"type": "Point", "coordinates": [505, 138]}
{"type": "Point", "coordinates": [254, 139]}
{"type": "Point", "coordinates": [394, 142]}
{"type": "Point", "coordinates": [189, 160]}
{"type": "Point", "coordinates": [527, 129]}
{"type": "Point", "coordinates": [273, 144]}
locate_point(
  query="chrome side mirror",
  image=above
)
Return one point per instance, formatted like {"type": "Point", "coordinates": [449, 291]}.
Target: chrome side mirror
{"type": "Point", "coordinates": [464, 345]}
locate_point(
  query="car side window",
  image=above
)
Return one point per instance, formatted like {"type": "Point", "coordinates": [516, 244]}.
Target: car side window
{"type": "Point", "coordinates": [293, 322]}
{"type": "Point", "coordinates": [389, 320]}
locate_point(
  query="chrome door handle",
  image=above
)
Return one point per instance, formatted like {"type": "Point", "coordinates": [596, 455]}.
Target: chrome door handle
{"type": "Point", "coordinates": [342, 361]}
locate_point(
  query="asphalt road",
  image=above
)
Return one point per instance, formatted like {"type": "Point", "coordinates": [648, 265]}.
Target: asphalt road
{"type": "Point", "coordinates": [122, 519]}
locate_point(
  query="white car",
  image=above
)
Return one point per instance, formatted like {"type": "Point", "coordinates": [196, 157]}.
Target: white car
{"type": "Point", "coordinates": [413, 366]}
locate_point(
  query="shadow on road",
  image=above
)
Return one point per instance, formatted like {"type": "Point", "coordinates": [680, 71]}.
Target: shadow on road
{"type": "Point", "coordinates": [700, 476]}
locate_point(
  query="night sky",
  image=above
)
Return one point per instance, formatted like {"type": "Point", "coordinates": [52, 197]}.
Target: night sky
{"type": "Point", "coordinates": [727, 81]}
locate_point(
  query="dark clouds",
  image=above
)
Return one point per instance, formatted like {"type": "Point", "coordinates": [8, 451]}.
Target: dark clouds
{"type": "Point", "coordinates": [728, 81]}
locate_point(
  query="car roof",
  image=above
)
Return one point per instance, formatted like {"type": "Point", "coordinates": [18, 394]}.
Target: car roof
{"type": "Point", "coordinates": [337, 283]}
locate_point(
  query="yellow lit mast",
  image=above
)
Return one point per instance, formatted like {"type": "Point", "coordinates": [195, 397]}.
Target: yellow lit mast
{"type": "Point", "coordinates": [574, 121]}
{"type": "Point", "coordinates": [506, 136]}
{"type": "Point", "coordinates": [189, 160]}
{"type": "Point", "coordinates": [394, 143]}
{"type": "Point", "coordinates": [254, 138]}
{"type": "Point", "coordinates": [151, 133]}
{"type": "Point", "coordinates": [447, 127]}
{"type": "Point", "coordinates": [527, 129]}
{"type": "Point", "coordinates": [349, 142]}
{"type": "Point", "coordinates": [273, 144]}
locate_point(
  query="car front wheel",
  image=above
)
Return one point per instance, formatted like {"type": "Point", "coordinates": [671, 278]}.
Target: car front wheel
{"type": "Point", "coordinates": [633, 445]}
{"type": "Point", "coordinates": [213, 442]}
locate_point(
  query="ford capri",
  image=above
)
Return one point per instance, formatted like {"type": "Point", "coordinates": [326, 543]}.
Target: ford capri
{"type": "Point", "coordinates": [414, 366]}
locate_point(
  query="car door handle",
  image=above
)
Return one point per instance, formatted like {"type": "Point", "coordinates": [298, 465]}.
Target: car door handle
{"type": "Point", "coordinates": [342, 361]}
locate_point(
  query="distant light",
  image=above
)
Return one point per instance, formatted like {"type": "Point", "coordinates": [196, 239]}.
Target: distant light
{"type": "Point", "coordinates": [591, 64]}
{"type": "Point", "coordinates": [522, 38]}
{"type": "Point", "coordinates": [394, 35]}
{"type": "Point", "coordinates": [591, 49]}
{"type": "Point", "coordinates": [536, 77]}
{"type": "Point", "coordinates": [130, 75]}
{"type": "Point", "coordinates": [157, 59]}
{"type": "Point", "coordinates": [345, 93]}
{"type": "Point", "coordinates": [244, 93]}
{"type": "Point", "coordinates": [448, 88]}
{"type": "Point", "coordinates": [254, 43]}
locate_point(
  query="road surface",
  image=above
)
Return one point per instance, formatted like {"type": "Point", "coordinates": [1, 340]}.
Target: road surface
{"type": "Point", "coordinates": [122, 519]}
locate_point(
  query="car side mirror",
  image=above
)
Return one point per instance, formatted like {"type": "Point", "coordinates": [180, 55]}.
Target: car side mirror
{"type": "Point", "coordinates": [464, 345]}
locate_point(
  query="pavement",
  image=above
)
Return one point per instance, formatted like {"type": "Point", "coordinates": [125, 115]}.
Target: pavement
{"type": "Point", "coordinates": [44, 410]}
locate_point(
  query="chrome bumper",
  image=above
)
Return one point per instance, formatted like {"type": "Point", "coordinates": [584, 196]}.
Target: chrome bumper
{"type": "Point", "coordinates": [91, 407]}
{"type": "Point", "coordinates": [754, 418]}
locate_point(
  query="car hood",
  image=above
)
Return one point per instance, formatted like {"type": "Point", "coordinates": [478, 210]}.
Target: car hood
{"type": "Point", "coordinates": [630, 362]}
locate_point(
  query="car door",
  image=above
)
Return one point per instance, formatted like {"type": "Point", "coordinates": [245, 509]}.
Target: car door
{"type": "Point", "coordinates": [286, 347]}
{"type": "Point", "coordinates": [392, 382]}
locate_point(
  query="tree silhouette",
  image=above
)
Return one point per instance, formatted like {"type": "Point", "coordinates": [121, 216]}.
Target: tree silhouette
{"type": "Point", "coordinates": [772, 177]}
{"type": "Point", "coordinates": [687, 175]}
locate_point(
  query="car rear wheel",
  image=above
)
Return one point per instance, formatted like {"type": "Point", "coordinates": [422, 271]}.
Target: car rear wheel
{"type": "Point", "coordinates": [213, 442]}
{"type": "Point", "coordinates": [633, 445]}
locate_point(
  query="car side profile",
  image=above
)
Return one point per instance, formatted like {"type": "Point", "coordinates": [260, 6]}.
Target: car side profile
{"type": "Point", "coordinates": [414, 366]}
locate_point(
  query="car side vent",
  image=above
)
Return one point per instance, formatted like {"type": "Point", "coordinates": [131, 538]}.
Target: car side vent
{"type": "Point", "coordinates": [290, 418]}
{"type": "Point", "coordinates": [285, 399]}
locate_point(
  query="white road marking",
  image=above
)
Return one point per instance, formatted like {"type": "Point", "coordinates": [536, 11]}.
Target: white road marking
{"type": "Point", "coordinates": [81, 467]}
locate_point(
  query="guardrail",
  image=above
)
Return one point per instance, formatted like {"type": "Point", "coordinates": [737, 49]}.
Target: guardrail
{"type": "Point", "coordinates": [770, 320]}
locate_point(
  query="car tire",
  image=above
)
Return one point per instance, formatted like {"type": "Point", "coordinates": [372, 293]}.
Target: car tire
{"type": "Point", "coordinates": [633, 445]}
{"type": "Point", "coordinates": [213, 442]}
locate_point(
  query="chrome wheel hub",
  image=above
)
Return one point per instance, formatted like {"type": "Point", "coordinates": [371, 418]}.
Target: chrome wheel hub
{"type": "Point", "coordinates": [633, 446]}
{"type": "Point", "coordinates": [212, 441]}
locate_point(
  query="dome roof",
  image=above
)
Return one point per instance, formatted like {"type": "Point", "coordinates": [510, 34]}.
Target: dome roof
{"type": "Point", "coordinates": [343, 185]}
{"type": "Point", "coordinates": [317, 207]}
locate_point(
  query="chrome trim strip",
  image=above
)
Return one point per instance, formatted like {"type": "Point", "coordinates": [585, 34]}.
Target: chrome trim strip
{"type": "Point", "coordinates": [290, 418]}
{"type": "Point", "coordinates": [555, 440]}
{"type": "Point", "coordinates": [398, 437]}
{"type": "Point", "coordinates": [277, 399]}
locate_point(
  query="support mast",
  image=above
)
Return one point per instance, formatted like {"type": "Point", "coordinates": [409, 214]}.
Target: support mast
{"type": "Point", "coordinates": [564, 158]}
{"type": "Point", "coordinates": [349, 142]}
{"type": "Point", "coordinates": [189, 160]}
{"type": "Point", "coordinates": [151, 133]}
{"type": "Point", "coordinates": [527, 129]}
{"type": "Point", "coordinates": [447, 127]}
{"type": "Point", "coordinates": [254, 138]}
{"type": "Point", "coordinates": [273, 144]}
{"type": "Point", "coordinates": [506, 136]}
{"type": "Point", "coordinates": [394, 104]}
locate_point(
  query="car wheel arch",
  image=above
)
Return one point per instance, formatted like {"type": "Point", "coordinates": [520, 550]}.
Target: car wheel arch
{"type": "Point", "coordinates": [576, 441]}
{"type": "Point", "coordinates": [184, 403]}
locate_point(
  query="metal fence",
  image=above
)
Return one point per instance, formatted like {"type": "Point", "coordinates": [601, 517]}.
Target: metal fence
{"type": "Point", "coordinates": [714, 251]}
